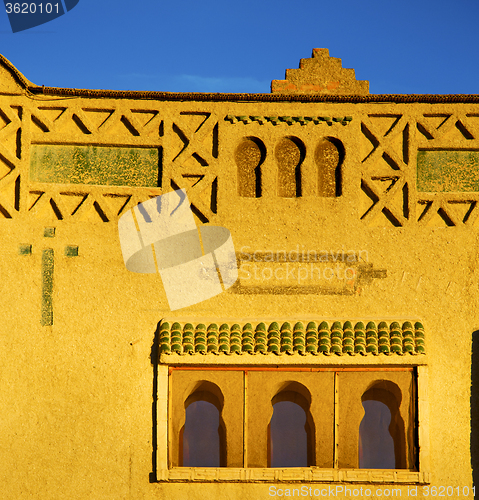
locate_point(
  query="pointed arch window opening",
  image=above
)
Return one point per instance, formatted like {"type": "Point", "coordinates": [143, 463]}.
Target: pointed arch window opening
{"type": "Point", "coordinates": [290, 431]}
{"type": "Point", "coordinates": [376, 445]}
{"type": "Point", "coordinates": [203, 437]}
{"type": "Point", "coordinates": [382, 439]}
{"type": "Point", "coordinates": [383, 415]}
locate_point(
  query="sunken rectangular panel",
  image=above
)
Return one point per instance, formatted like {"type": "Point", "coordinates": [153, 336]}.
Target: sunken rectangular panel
{"type": "Point", "coordinates": [448, 171]}
{"type": "Point", "coordinates": [107, 166]}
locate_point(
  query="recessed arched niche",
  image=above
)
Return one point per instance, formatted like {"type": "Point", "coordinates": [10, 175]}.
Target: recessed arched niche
{"type": "Point", "coordinates": [249, 156]}
{"type": "Point", "coordinates": [290, 153]}
{"type": "Point", "coordinates": [329, 156]}
{"type": "Point", "coordinates": [291, 429]}
{"type": "Point", "coordinates": [288, 439]}
{"type": "Point", "coordinates": [382, 440]}
{"type": "Point", "coordinates": [202, 440]}
{"type": "Point", "coordinates": [376, 445]}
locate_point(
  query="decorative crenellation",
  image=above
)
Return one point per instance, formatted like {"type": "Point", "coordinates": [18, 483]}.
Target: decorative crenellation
{"type": "Point", "coordinates": [299, 337]}
{"type": "Point", "coordinates": [290, 120]}
{"type": "Point", "coordinates": [320, 74]}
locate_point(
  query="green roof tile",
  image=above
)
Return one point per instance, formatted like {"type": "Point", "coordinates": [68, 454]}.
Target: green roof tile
{"type": "Point", "coordinates": [262, 338]}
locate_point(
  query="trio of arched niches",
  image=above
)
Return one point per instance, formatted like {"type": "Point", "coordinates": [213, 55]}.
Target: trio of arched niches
{"type": "Point", "coordinates": [288, 159]}
{"type": "Point", "coordinates": [327, 418]}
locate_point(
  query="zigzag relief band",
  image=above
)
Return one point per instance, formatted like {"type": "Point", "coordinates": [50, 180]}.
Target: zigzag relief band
{"type": "Point", "coordinates": [275, 120]}
{"type": "Point", "coordinates": [163, 229]}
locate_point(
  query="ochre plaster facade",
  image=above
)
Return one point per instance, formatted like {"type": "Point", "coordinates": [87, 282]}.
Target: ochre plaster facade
{"type": "Point", "coordinates": [378, 191]}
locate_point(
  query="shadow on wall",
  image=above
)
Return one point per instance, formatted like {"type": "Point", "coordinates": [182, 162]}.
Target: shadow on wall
{"type": "Point", "coordinates": [475, 407]}
{"type": "Point", "coordinates": [154, 415]}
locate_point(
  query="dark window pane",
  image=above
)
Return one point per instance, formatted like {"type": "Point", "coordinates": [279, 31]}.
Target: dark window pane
{"type": "Point", "coordinates": [376, 445]}
{"type": "Point", "coordinates": [201, 439]}
{"type": "Point", "coordinates": [288, 437]}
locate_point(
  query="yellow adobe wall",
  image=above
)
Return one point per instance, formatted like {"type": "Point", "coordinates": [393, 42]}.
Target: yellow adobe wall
{"type": "Point", "coordinates": [77, 395]}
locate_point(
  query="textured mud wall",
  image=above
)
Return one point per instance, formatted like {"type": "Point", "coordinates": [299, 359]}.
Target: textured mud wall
{"type": "Point", "coordinates": [83, 398]}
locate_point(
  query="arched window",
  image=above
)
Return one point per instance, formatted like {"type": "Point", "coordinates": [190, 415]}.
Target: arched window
{"type": "Point", "coordinates": [290, 431]}
{"type": "Point", "coordinates": [376, 445]}
{"type": "Point", "coordinates": [202, 438]}
{"type": "Point", "coordinates": [381, 432]}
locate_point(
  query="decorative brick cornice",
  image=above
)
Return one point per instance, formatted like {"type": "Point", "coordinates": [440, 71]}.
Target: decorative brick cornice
{"type": "Point", "coordinates": [311, 338]}
{"type": "Point", "coordinates": [290, 120]}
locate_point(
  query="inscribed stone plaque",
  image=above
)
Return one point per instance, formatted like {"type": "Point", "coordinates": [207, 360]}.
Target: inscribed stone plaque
{"type": "Point", "coordinates": [108, 166]}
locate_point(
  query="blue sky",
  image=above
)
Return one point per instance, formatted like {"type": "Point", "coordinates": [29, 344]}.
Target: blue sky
{"type": "Point", "coordinates": [405, 47]}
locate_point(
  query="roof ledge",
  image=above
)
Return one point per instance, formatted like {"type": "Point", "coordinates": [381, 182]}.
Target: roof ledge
{"type": "Point", "coordinates": [11, 80]}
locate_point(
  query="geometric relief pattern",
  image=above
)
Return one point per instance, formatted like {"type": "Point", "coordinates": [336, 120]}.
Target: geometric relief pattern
{"type": "Point", "coordinates": [96, 123]}
{"type": "Point", "coordinates": [436, 128]}
{"type": "Point", "coordinates": [386, 173]}
{"type": "Point", "coordinates": [448, 131]}
{"type": "Point", "coordinates": [73, 124]}
{"type": "Point", "coordinates": [187, 146]}
{"type": "Point", "coordinates": [191, 161]}
{"type": "Point", "coordinates": [442, 210]}
{"type": "Point", "coordinates": [389, 195]}
{"type": "Point", "coordinates": [96, 205]}
{"type": "Point", "coordinates": [10, 159]}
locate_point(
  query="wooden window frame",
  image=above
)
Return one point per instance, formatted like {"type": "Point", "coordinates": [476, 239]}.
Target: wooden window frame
{"type": "Point", "coordinates": [168, 472]}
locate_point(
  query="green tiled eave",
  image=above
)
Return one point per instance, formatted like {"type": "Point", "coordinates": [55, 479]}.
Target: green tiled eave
{"type": "Point", "coordinates": [307, 338]}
